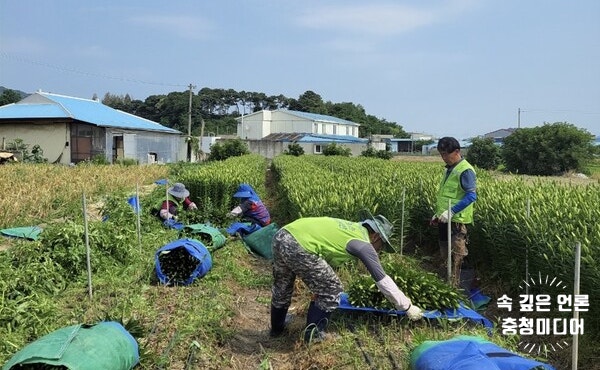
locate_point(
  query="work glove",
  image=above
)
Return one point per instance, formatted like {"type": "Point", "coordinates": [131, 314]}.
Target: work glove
{"type": "Point", "coordinates": [414, 313]}
{"type": "Point", "coordinates": [434, 220]}
{"type": "Point", "coordinates": [192, 206]}
{"type": "Point", "coordinates": [446, 216]}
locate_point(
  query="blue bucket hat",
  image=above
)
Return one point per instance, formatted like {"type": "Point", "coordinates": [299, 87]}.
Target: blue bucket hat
{"type": "Point", "coordinates": [246, 191]}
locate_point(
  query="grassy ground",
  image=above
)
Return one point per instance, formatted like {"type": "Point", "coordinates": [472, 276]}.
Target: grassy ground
{"type": "Point", "coordinates": [222, 320]}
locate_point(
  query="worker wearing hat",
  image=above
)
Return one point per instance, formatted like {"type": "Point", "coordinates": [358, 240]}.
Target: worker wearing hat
{"type": "Point", "coordinates": [177, 196]}
{"type": "Point", "coordinates": [309, 248]}
{"type": "Point", "coordinates": [250, 208]}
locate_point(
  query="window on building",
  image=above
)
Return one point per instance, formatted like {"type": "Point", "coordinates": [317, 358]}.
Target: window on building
{"type": "Point", "coordinates": [318, 149]}
{"type": "Point", "coordinates": [335, 129]}
{"type": "Point", "coordinates": [316, 128]}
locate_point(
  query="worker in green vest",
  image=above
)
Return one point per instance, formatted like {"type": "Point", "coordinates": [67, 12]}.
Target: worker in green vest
{"type": "Point", "coordinates": [177, 197]}
{"type": "Point", "coordinates": [310, 248]}
{"type": "Point", "coordinates": [458, 186]}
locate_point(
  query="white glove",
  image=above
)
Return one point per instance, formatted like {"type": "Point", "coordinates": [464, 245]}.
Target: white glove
{"type": "Point", "coordinates": [414, 313]}
{"type": "Point", "coordinates": [236, 211]}
{"type": "Point", "coordinates": [231, 214]}
{"type": "Point", "coordinates": [165, 215]}
{"type": "Point", "coordinates": [192, 206]}
{"type": "Point", "coordinates": [446, 216]}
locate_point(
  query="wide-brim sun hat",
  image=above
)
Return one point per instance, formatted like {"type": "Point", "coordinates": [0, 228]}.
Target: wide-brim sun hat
{"type": "Point", "coordinates": [242, 194]}
{"type": "Point", "coordinates": [381, 226]}
{"type": "Point", "coordinates": [178, 190]}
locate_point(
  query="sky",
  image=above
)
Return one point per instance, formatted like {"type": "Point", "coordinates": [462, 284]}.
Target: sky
{"type": "Point", "coordinates": [458, 68]}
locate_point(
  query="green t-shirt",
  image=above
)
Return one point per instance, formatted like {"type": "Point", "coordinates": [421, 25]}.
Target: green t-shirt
{"type": "Point", "coordinates": [327, 237]}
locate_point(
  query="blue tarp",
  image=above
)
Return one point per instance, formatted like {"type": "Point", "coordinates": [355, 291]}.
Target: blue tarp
{"type": "Point", "coordinates": [171, 223]}
{"type": "Point", "coordinates": [195, 249]}
{"type": "Point", "coordinates": [469, 353]}
{"type": "Point", "coordinates": [242, 228]}
{"type": "Point", "coordinates": [462, 312]}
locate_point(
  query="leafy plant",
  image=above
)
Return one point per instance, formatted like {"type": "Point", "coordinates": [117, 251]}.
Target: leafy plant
{"type": "Point", "coordinates": [483, 153]}
{"type": "Point", "coordinates": [294, 149]}
{"type": "Point", "coordinates": [335, 149]}
{"type": "Point", "coordinates": [550, 149]}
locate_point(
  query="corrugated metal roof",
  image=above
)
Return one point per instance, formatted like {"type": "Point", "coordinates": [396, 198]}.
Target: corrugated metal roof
{"type": "Point", "coordinates": [313, 138]}
{"type": "Point", "coordinates": [319, 117]}
{"type": "Point", "coordinates": [47, 105]}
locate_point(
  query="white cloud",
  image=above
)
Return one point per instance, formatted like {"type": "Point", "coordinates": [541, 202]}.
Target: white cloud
{"type": "Point", "coordinates": [384, 19]}
{"type": "Point", "coordinates": [181, 25]}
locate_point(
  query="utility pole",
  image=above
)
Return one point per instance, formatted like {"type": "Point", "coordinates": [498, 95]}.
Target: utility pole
{"type": "Point", "coordinates": [519, 118]}
{"type": "Point", "coordinates": [190, 110]}
{"type": "Point", "coordinates": [190, 123]}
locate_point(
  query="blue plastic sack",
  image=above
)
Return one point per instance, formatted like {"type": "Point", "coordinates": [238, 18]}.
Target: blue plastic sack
{"type": "Point", "coordinates": [182, 261]}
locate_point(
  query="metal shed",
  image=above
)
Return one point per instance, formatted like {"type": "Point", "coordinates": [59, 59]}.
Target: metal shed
{"type": "Point", "coordinates": [71, 130]}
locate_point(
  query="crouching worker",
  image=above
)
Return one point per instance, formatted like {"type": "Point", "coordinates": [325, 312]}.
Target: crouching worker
{"type": "Point", "coordinates": [251, 208]}
{"type": "Point", "coordinates": [178, 196]}
{"type": "Point", "coordinates": [309, 248]}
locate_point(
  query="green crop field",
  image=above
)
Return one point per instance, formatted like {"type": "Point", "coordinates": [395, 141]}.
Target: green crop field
{"type": "Point", "coordinates": [221, 321]}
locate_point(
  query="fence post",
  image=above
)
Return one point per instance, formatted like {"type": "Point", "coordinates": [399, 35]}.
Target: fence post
{"type": "Point", "coordinates": [575, 350]}
{"type": "Point", "coordinates": [449, 267]}
{"type": "Point", "coordinates": [87, 245]}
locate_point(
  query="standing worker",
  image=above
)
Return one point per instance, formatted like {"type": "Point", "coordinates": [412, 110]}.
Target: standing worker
{"type": "Point", "coordinates": [178, 196]}
{"type": "Point", "coordinates": [459, 186]}
{"type": "Point", "coordinates": [309, 248]}
{"type": "Point", "coordinates": [251, 208]}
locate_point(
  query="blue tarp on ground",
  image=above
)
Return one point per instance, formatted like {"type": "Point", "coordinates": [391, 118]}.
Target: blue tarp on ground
{"type": "Point", "coordinates": [242, 228]}
{"type": "Point", "coordinates": [462, 312]}
{"type": "Point", "coordinates": [466, 352]}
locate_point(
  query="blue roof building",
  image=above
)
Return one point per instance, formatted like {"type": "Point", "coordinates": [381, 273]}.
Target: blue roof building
{"type": "Point", "coordinates": [71, 130]}
{"type": "Point", "coordinates": [270, 132]}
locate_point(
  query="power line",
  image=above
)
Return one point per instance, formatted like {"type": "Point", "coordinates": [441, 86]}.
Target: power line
{"type": "Point", "coordinates": [72, 70]}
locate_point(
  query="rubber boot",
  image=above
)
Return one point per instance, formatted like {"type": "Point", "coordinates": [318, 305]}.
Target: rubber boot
{"type": "Point", "coordinates": [278, 321]}
{"type": "Point", "coordinates": [316, 323]}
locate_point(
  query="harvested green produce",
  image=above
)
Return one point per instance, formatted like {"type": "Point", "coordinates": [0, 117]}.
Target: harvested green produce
{"type": "Point", "coordinates": [425, 289]}
{"type": "Point", "coordinates": [177, 265]}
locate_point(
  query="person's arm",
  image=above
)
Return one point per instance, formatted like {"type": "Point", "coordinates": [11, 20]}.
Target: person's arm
{"type": "Point", "coordinates": [168, 210]}
{"type": "Point", "coordinates": [188, 204]}
{"type": "Point", "coordinates": [367, 254]}
{"type": "Point", "coordinates": [468, 182]}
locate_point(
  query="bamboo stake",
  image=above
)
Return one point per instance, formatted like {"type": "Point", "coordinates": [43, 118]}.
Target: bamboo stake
{"type": "Point", "coordinates": [402, 221]}
{"type": "Point", "coordinates": [87, 245]}
{"type": "Point", "coordinates": [527, 214]}
{"type": "Point", "coordinates": [575, 350]}
{"type": "Point", "coordinates": [137, 212]}
{"type": "Point", "coordinates": [449, 267]}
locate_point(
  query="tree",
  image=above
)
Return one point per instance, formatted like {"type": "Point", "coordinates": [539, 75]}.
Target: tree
{"type": "Point", "coordinates": [374, 153]}
{"type": "Point", "coordinates": [484, 153]}
{"type": "Point", "coordinates": [9, 96]}
{"type": "Point", "coordinates": [551, 149]}
{"type": "Point", "coordinates": [310, 101]}
{"type": "Point", "coordinates": [334, 149]}
{"type": "Point", "coordinates": [294, 149]}
{"type": "Point", "coordinates": [228, 148]}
